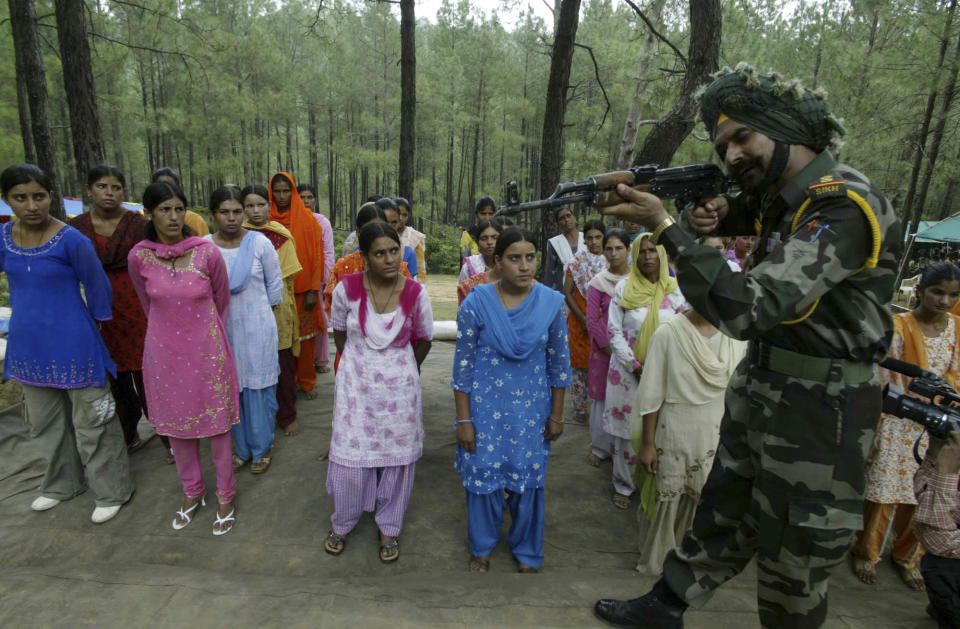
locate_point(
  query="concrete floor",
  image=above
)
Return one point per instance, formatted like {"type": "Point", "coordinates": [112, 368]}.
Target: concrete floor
{"type": "Point", "coordinates": [57, 569]}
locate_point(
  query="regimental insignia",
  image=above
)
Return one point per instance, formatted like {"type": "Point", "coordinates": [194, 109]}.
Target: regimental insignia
{"type": "Point", "coordinates": [827, 187]}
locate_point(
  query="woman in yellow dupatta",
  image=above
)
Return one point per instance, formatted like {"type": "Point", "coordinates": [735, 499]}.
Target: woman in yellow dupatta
{"type": "Point", "coordinates": [648, 297]}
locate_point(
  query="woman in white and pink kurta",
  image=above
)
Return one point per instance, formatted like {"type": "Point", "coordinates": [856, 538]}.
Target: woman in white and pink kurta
{"type": "Point", "coordinates": [383, 325]}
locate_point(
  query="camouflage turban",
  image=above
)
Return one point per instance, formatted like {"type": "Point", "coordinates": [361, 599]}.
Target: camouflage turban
{"type": "Point", "coordinates": [781, 109]}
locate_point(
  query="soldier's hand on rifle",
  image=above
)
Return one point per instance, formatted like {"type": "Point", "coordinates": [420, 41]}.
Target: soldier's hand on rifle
{"type": "Point", "coordinates": [638, 207]}
{"type": "Point", "coordinates": [705, 218]}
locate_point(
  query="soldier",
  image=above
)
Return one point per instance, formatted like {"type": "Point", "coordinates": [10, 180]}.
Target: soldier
{"type": "Point", "coordinates": [787, 482]}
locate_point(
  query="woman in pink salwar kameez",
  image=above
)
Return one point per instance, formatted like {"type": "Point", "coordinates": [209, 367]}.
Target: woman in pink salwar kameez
{"type": "Point", "coordinates": [189, 376]}
{"type": "Point", "coordinates": [382, 325]}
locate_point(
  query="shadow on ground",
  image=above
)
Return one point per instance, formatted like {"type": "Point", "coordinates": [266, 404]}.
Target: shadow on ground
{"type": "Point", "coordinates": [59, 570]}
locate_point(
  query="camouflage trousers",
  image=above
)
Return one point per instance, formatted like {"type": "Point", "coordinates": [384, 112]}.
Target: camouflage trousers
{"type": "Point", "coordinates": [787, 486]}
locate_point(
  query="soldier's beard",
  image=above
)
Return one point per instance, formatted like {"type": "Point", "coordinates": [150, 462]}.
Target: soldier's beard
{"type": "Point", "coordinates": [755, 180]}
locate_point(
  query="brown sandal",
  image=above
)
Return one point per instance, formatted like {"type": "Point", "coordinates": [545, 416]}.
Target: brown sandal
{"type": "Point", "coordinates": [238, 463]}
{"type": "Point", "coordinates": [261, 465]}
{"type": "Point", "coordinates": [390, 551]}
{"type": "Point", "coordinates": [479, 564]}
{"type": "Point", "coordinates": [621, 502]}
{"type": "Point", "coordinates": [334, 544]}
{"type": "Point", "coordinates": [525, 569]}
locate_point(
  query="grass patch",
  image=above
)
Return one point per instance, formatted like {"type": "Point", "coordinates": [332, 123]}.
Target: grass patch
{"type": "Point", "coordinates": [442, 289]}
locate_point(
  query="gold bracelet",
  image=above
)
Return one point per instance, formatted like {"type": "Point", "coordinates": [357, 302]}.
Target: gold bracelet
{"type": "Point", "coordinates": [667, 222]}
{"type": "Point", "coordinates": [556, 422]}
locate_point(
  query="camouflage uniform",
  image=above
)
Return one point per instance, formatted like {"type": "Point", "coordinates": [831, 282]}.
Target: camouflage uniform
{"type": "Point", "coordinates": [788, 479]}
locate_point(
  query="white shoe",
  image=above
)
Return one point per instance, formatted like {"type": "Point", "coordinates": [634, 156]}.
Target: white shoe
{"type": "Point", "coordinates": [102, 514]}
{"type": "Point", "coordinates": [42, 503]}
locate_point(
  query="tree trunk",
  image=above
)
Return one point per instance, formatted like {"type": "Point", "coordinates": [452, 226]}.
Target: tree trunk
{"type": "Point", "coordinates": [408, 98]}
{"type": "Point", "coordinates": [78, 85]}
{"type": "Point", "coordinates": [448, 196]}
{"type": "Point", "coordinates": [945, 102]}
{"type": "Point", "coordinates": [702, 59]}
{"type": "Point", "coordinates": [919, 150]}
{"type": "Point", "coordinates": [640, 97]}
{"type": "Point", "coordinates": [23, 104]}
{"type": "Point", "coordinates": [551, 142]}
{"type": "Point", "coordinates": [23, 23]}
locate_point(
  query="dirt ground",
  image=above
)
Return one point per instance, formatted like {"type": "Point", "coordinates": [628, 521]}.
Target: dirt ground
{"type": "Point", "coordinates": [57, 569]}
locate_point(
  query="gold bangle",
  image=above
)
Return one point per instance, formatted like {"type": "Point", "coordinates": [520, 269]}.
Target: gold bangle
{"type": "Point", "coordinates": [556, 422]}
{"type": "Point", "coordinates": [667, 222]}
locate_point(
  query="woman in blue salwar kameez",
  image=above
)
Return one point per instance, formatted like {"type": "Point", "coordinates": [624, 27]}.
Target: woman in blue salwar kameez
{"type": "Point", "coordinates": [511, 368]}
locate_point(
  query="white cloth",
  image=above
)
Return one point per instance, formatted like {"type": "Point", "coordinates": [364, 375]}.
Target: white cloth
{"type": "Point", "coordinates": [562, 246]}
{"type": "Point", "coordinates": [251, 326]}
{"type": "Point", "coordinates": [472, 265]}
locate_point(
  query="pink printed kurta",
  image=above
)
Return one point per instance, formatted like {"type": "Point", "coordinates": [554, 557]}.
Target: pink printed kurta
{"type": "Point", "coordinates": [189, 375]}
{"type": "Point", "coordinates": [598, 310]}
{"type": "Point", "coordinates": [377, 412]}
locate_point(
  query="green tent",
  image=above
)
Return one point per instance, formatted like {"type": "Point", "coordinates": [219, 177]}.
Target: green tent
{"type": "Point", "coordinates": [942, 231]}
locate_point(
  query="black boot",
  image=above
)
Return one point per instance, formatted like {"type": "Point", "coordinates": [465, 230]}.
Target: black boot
{"type": "Point", "coordinates": [660, 608]}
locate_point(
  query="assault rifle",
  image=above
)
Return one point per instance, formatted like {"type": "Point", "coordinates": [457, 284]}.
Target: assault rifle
{"type": "Point", "coordinates": [684, 184]}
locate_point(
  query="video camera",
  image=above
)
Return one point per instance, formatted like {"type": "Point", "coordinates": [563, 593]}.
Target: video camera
{"type": "Point", "coordinates": [936, 416]}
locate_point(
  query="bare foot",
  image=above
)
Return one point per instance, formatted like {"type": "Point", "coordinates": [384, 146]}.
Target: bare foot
{"type": "Point", "coordinates": [323, 456]}
{"type": "Point", "coordinates": [311, 394]}
{"type": "Point", "coordinates": [323, 369]}
{"type": "Point", "coordinates": [912, 577]}
{"type": "Point", "coordinates": [865, 571]}
{"type": "Point", "coordinates": [593, 460]}
{"type": "Point", "coordinates": [292, 429]}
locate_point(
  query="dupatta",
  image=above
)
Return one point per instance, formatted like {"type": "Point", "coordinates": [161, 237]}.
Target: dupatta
{"type": "Point", "coordinates": [307, 236]}
{"type": "Point", "coordinates": [239, 270]}
{"type": "Point", "coordinates": [353, 284]}
{"type": "Point", "coordinates": [640, 292]}
{"type": "Point", "coordinates": [515, 333]}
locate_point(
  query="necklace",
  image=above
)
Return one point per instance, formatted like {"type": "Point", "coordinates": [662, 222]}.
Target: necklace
{"type": "Point", "coordinates": [23, 240]}
{"type": "Point", "coordinates": [373, 294]}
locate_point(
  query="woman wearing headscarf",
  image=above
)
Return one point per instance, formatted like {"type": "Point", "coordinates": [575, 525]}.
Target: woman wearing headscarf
{"type": "Point", "coordinates": [647, 298]}
{"type": "Point", "coordinates": [676, 427]}
{"type": "Point", "coordinates": [287, 208]}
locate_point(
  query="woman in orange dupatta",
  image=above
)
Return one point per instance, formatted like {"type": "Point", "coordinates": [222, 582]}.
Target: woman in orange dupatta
{"type": "Point", "coordinates": [929, 337]}
{"type": "Point", "coordinates": [287, 208]}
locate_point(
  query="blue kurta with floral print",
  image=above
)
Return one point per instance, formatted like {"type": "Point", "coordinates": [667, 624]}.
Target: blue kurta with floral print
{"type": "Point", "coordinates": [508, 361]}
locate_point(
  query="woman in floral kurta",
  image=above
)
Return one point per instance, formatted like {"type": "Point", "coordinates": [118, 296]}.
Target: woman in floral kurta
{"type": "Point", "coordinates": [599, 293]}
{"type": "Point", "coordinates": [511, 366]}
{"type": "Point", "coordinates": [626, 323]}
{"type": "Point", "coordinates": [188, 369]}
{"type": "Point", "coordinates": [929, 337]}
{"type": "Point", "coordinates": [383, 326]}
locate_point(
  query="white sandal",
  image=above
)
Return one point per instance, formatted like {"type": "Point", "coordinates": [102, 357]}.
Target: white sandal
{"type": "Point", "coordinates": [219, 522]}
{"type": "Point", "coordinates": [188, 514]}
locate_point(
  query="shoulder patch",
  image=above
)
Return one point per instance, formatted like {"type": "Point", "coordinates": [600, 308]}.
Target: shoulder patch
{"type": "Point", "coordinates": [827, 187]}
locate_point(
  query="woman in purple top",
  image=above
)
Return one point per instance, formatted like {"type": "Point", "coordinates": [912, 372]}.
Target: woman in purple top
{"type": "Point", "coordinates": [188, 369]}
{"type": "Point", "coordinates": [308, 194]}
{"type": "Point", "coordinates": [55, 351]}
{"type": "Point", "coordinates": [616, 244]}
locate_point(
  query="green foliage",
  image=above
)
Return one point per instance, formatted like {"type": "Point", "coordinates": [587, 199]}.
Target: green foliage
{"type": "Point", "coordinates": [443, 250]}
{"type": "Point", "coordinates": [231, 92]}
